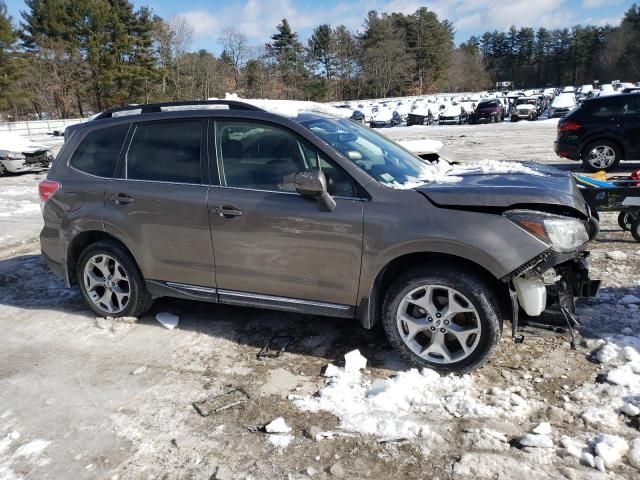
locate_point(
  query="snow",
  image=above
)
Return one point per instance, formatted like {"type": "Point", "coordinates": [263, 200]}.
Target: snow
{"type": "Point", "coordinates": [564, 100]}
{"type": "Point", "coordinates": [543, 428]}
{"type": "Point", "coordinates": [629, 299]}
{"type": "Point", "coordinates": [277, 426]}
{"type": "Point", "coordinates": [611, 449]}
{"type": "Point", "coordinates": [168, 320]}
{"type": "Point", "coordinates": [292, 108]}
{"type": "Point", "coordinates": [354, 361]}
{"type": "Point", "coordinates": [616, 255]}
{"type": "Point", "coordinates": [535, 440]}
{"type": "Point", "coordinates": [489, 167]}
{"type": "Point", "coordinates": [35, 447]}
{"type": "Point", "coordinates": [12, 142]}
{"type": "Point", "coordinates": [404, 405]}
{"type": "Point", "coordinates": [280, 441]}
{"type": "Point", "coordinates": [634, 453]}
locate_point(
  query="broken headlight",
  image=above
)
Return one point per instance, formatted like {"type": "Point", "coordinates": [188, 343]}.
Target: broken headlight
{"type": "Point", "coordinates": [7, 155]}
{"type": "Point", "coordinates": [563, 234]}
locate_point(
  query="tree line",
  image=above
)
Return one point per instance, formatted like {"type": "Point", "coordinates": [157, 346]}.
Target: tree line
{"type": "Point", "coordinates": [69, 58]}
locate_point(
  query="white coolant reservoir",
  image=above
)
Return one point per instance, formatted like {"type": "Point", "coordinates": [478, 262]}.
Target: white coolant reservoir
{"type": "Point", "coordinates": [532, 294]}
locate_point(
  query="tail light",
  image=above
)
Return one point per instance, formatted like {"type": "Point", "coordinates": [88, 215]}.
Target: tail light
{"type": "Point", "coordinates": [46, 189]}
{"type": "Point", "coordinates": [569, 127]}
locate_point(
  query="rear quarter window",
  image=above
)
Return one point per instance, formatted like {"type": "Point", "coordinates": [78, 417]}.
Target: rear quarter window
{"type": "Point", "coordinates": [98, 151]}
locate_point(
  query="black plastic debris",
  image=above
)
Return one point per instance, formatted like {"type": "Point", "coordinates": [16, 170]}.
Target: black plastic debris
{"type": "Point", "coordinates": [222, 401]}
{"type": "Point", "coordinates": [275, 346]}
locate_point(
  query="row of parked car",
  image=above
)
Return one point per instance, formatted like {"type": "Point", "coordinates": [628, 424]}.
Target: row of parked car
{"type": "Point", "coordinates": [490, 107]}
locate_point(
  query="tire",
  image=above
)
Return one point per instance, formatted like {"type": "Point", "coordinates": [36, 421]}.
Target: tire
{"type": "Point", "coordinates": [128, 297]}
{"type": "Point", "coordinates": [625, 220]}
{"type": "Point", "coordinates": [635, 230]}
{"type": "Point", "coordinates": [601, 155]}
{"type": "Point", "coordinates": [470, 292]}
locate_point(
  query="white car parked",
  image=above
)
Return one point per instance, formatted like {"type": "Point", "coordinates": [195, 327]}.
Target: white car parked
{"type": "Point", "coordinates": [18, 154]}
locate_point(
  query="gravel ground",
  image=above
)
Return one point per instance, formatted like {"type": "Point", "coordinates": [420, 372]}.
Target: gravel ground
{"type": "Point", "coordinates": [81, 398]}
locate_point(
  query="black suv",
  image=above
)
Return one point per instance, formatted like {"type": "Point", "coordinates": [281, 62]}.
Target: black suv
{"type": "Point", "coordinates": [601, 132]}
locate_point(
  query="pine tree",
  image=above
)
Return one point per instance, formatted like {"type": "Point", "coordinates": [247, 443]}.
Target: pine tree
{"type": "Point", "coordinates": [287, 51]}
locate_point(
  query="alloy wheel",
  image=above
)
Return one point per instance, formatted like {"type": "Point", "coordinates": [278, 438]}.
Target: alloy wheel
{"type": "Point", "coordinates": [438, 323]}
{"type": "Point", "coordinates": [601, 156]}
{"type": "Point", "coordinates": [106, 283]}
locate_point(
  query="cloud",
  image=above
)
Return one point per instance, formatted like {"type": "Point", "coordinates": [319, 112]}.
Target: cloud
{"type": "Point", "coordinates": [258, 18]}
{"type": "Point", "coordinates": [599, 3]}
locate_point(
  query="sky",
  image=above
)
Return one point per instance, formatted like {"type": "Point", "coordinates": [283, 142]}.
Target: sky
{"type": "Point", "coordinates": [258, 18]}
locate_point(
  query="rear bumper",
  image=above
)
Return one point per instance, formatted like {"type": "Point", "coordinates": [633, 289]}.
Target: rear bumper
{"type": "Point", "coordinates": [566, 150]}
{"type": "Point", "coordinates": [55, 267]}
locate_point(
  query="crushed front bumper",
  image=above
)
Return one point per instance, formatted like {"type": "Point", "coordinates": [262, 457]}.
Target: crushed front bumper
{"type": "Point", "coordinates": [565, 277]}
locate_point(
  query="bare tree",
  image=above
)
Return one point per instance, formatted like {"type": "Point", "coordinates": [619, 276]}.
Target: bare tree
{"type": "Point", "coordinates": [237, 49]}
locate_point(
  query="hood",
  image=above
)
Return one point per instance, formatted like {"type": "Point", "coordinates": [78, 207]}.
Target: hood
{"type": "Point", "coordinates": [477, 189]}
{"type": "Point", "coordinates": [12, 142]}
{"type": "Point", "coordinates": [564, 100]}
{"type": "Point", "coordinates": [525, 106]}
{"type": "Point", "coordinates": [452, 111]}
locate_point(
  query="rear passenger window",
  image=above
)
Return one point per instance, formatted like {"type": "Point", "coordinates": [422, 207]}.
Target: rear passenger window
{"type": "Point", "coordinates": [607, 109]}
{"type": "Point", "coordinates": [98, 152]}
{"type": "Point", "coordinates": [166, 152]}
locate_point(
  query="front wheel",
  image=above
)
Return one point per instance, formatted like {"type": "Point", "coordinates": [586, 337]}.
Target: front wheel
{"type": "Point", "coordinates": [601, 155]}
{"type": "Point", "coordinates": [441, 319]}
{"type": "Point", "coordinates": [110, 281]}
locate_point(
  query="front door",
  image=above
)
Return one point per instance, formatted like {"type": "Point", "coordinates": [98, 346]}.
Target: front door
{"type": "Point", "coordinates": [268, 239]}
{"type": "Point", "coordinates": [631, 125]}
{"type": "Point", "coordinates": [158, 206]}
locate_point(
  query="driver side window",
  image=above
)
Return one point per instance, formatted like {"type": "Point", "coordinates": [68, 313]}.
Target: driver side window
{"type": "Point", "coordinates": [259, 156]}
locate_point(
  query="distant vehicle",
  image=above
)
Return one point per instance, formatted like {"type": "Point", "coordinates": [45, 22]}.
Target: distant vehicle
{"type": "Point", "coordinates": [549, 93]}
{"type": "Point", "coordinates": [455, 114]}
{"type": "Point", "coordinates": [562, 104]}
{"type": "Point", "coordinates": [489, 111]}
{"type": "Point", "coordinates": [601, 132]}
{"type": "Point", "coordinates": [385, 118]}
{"type": "Point", "coordinates": [19, 154]}
{"type": "Point", "coordinates": [606, 89]}
{"type": "Point", "coordinates": [421, 115]}
{"type": "Point", "coordinates": [526, 108]}
{"type": "Point", "coordinates": [569, 89]}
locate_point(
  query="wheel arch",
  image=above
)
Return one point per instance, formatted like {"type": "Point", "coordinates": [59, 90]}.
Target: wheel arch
{"type": "Point", "coordinates": [619, 142]}
{"type": "Point", "coordinates": [370, 308]}
{"type": "Point", "coordinates": [80, 242]}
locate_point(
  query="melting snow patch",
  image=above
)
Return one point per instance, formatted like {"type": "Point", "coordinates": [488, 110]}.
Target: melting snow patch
{"type": "Point", "coordinates": [495, 166]}
{"type": "Point", "coordinates": [34, 447]}
{"type": "Point", "coordinates": [168, 320]}
{"type": "Point", "coordinates": [535, 440]}
{"type": "Point", "coordinates": [277, 426]}
{"type": "Point", "coordinates": [628, 299]}
{"type": "Point", "coordinates": [617, 255]}
{"type": "Point", "coordinates": [404, 405]}
{"type": "Point", "coordinates": [280, 441]}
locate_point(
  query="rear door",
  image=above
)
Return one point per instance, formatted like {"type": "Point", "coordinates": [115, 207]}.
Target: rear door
{"type": "Point", "coordinates": [158, 204]}
{"type": "Point", "coordinates": [271, 241]}
{"type": "Point", "coordinates": [631, 125]}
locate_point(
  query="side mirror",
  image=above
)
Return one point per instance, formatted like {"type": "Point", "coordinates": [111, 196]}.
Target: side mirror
{"type": "Point", "coordinates": [313, 184]}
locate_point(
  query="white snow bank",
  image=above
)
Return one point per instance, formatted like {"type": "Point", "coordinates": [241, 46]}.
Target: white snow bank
{"type": "Point", "coordinates": [168, 320]}
{"type": "Point", "coordinates": [405, 406]}
{"type": "Point", "coordinates": [291, 108]}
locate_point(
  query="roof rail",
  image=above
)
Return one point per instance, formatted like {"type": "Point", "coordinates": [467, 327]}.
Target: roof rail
{"type": "Point", "coordinates": [157, 107]}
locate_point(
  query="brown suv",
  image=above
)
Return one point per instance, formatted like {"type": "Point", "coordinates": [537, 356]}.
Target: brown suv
{"type": "Point", "coordinates": [306, 212]}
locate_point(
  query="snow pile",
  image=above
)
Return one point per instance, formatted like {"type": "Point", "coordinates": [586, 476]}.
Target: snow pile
{"type": "Point", "coordinates": [402, 406]}
{"type": "Point", "coordinates": [437, 172]}
{"type": "Point", "coordinates": [278, 432]}
{"type": "Point", "coordinates": [291, 108]}
{"type": "Point", "coordinates": [495, 167]}
{"type": "Point", "coordinates": [19, 201]}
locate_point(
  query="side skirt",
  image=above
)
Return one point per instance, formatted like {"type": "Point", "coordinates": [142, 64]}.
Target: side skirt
{"type": "Point", "coordinates": [247, 299]}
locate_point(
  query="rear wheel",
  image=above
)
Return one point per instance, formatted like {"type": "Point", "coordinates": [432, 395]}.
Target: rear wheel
{"type": "Point", "coordinates": [111, 282]}
{"type": "Point", "coordinates": [441, 319]}
{"type": "Point", "coordinates": [601, 155]}
{"type": "Point", "coordinates": [625, 220]}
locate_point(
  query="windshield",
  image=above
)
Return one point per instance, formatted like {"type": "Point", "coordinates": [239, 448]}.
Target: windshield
{"type": "Point", "coordinates": [385, 161]}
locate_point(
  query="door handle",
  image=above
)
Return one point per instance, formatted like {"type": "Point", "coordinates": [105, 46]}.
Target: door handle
{"type": "Point", "coordinates": [122, 198]}
{"type": "Point", "coordinates": [226, 211]}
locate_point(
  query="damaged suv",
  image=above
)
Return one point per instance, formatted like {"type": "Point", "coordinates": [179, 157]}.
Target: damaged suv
{"type": "Point", "coordinates": [300, 210]}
